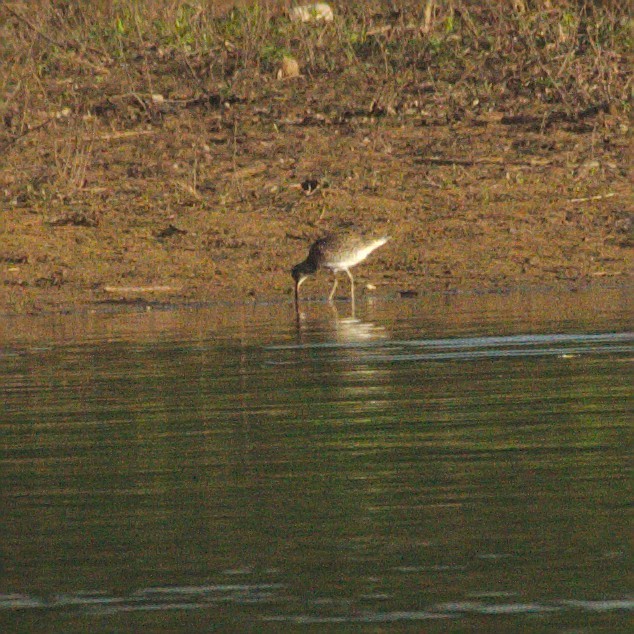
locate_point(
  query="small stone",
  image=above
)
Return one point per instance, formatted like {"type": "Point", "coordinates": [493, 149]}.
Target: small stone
{"type": "Point", "coordinates": [289, 68]}
{"type": "Point", "coordinates": [320, 11]}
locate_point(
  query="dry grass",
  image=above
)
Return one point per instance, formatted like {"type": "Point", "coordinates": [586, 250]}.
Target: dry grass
{"type": "Point", "coordinates": [103, 59]}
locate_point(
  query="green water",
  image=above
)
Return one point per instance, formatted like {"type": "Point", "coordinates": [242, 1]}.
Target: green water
{"type": "Point", "coordinates": [444, 464]}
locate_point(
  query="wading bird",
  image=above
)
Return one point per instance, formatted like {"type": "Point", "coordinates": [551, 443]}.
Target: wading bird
{"type": "Point", "coordinates": [336, 252]}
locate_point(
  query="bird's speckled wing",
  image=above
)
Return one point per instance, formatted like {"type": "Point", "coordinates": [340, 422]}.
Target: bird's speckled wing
{"type": "Point", "coordinates": [341, 251]}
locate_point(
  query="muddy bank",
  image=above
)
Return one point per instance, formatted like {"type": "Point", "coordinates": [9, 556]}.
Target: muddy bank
{"type": "Point", "coordinates": [476, 205]}
{"type": "Point", "coordinates": [143, 180]}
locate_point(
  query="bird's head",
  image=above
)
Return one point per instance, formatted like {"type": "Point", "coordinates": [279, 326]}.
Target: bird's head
{"type": "Point", "coordinates": [299, 274]}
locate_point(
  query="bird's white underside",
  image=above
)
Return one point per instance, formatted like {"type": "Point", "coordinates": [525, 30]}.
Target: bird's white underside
{"type": "Point", "coordinates": [356, 257]}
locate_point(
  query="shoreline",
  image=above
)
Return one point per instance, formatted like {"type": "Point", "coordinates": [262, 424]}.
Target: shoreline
{"type": "Point", "coordinates": [139, 304]}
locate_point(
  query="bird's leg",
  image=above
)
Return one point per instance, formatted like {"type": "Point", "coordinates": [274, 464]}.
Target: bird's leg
{"type": "Point", "coordinates": [351, 286]}
{"type": "Point", "coordinates": [334, 288]}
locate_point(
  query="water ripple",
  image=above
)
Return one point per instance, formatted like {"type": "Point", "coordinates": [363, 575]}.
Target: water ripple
{"type": "Point", "coordinates": [197, 597]}
{"type": "Point", "coordinates": [466, 348]}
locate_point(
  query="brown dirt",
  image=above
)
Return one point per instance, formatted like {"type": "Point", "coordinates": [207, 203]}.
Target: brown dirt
{"type": "Point", "coordinates": [184, 198]}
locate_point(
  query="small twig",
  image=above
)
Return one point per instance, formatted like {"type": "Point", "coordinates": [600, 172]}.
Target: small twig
{"type": "Point", "coordinates": [141, 103]}
{"type": "Point", "coordinates": [139, 289]}
{"type": "Point", "coordinates": [15, 139]}
{"type": "Point", "coordinates": [145, 65]}
{"type": "Point", "coordinates": [190, 189]}
{"type": "Point", "coordinates": [119, 135]}
{"type": "Point", "coordinates": [429, 16]}
{"type": "Point", "coordinates": [194, 74]}
{"type": "Point", "coordinates": [22, 19]}
{"type": "Point", "coordinates": [236, 178]}
{"type": "Point", "coordinates": [598, 197]}
{"type": "Point", "coordinates": [67, 45]}
{"type": "Point", "coordinates": [438, 160]}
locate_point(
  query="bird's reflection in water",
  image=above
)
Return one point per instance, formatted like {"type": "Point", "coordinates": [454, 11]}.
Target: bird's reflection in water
{"type": "Point", "coordinates": [342, 327]}
{"type": "Point", "coordinates": [351, 329]}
